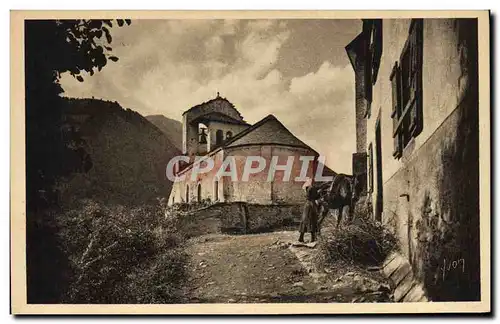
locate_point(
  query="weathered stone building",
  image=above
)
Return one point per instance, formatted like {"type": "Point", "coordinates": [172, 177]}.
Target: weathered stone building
{"type": "Point", "coordinates": [216, 130]}
{"type": "Point", "coordinates": [418, 143]}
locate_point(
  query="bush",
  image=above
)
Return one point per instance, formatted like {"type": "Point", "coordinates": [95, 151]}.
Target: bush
{"type": "Point", "coordinates": [155, 283]}
{"type": "Point", "coordinates": [121, 255]}
{"type": "Point", "coordinates": [365, 242]}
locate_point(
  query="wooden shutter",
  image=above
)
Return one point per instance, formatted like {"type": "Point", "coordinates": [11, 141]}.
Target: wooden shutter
{"type": "Point", "coordinates": [398, 146]}
{"type": "Point", "coordinates": [395, 82]}
{"type": "Point", "coordinates": [415, 85]}
{"type": "Point", "coordinates": [396, 113]}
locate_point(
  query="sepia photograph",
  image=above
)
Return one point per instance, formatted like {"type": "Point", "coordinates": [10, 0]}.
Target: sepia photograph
{"type": "Point", "coordinates": [250, 162]}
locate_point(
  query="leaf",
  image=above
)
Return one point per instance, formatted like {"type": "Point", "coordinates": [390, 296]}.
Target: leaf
{"type": "Point", "coordinates": [108, 34]}
{"type": "Point", "coordinates": [79, 78]}
{"type": "Point", "coordinates": [128, 21]}
{"type": "Point", "coordinates": [113, 58]}
{"type": "Point", "coordinates": [120, 22]}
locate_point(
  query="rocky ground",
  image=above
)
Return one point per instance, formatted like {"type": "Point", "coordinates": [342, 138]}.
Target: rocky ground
{"type": "Point", "coordinates": [272, 267]}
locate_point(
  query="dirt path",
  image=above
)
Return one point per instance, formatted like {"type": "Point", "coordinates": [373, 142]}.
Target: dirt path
{"type": "Point", "coordinates": [261, 268]}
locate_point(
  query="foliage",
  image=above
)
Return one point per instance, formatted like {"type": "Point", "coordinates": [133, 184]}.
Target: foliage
{"type": "Point", "coordinates": [364, 242]}
{"type": "Point", "coordinates": [53, 47]}
{"type": "Point", "coordinates": [71, 45]}
{"type": "Point", "coordinates": [128, 156]}
{"type": "Point", "coordinates": [158, 281]}
{"type": "Point", "coordinates": [120, 255]}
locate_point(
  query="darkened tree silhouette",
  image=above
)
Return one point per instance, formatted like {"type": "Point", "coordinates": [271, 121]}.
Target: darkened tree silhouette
{"type": "Point", "coordinates": [53, 47]}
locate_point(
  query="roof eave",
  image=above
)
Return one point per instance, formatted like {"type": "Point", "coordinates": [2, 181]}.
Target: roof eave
{"type": "Point", "coordinates": [353, 49]}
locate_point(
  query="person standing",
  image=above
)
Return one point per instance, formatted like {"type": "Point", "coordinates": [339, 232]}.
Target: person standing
{"type": "Point", "coordinates": [309, 221]}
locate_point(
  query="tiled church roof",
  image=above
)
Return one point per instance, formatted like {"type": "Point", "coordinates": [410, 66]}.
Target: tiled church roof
{"type": "Point", "coordinates": [267, 131]}
{"type": "Point", "coordinates": [219, 117]}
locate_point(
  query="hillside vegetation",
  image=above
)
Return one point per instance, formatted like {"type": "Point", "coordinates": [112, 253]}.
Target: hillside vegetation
{"type": "Point", "coordinates": [105, 239]}
{"type": "Point", "coordinates": [127, 155]}
{"type": "Point", "coordinates": [170, 127]}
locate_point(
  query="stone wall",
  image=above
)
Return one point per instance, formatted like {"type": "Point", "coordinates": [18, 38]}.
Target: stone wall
{"type": "Point", "coordinates": [431, 194]}
{"type": "Point", "coordinates": [209, 189]}
{"type": "Point", "coordinates": [258, 189]}
{"type": "Point", "coordinates": [242, 218]}
{"type": "Point", "coordinates": [432, 204]}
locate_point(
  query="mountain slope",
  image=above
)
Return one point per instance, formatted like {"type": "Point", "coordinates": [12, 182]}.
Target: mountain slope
{"type": "Point", "coordinates": [128, 154]}
{"type": "Point", "coordinates": [170, 127]}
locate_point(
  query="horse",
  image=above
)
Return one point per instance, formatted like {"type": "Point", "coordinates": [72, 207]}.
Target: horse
{"type": "Point", "coordinates": [337, 194]}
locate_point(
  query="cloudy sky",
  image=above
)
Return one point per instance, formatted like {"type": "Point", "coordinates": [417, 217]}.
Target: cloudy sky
{"type": "Point", "coordinates": [295, 69]}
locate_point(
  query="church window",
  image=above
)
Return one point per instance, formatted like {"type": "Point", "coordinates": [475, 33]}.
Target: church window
{"type": "Point", "coordinates": [219, 137]}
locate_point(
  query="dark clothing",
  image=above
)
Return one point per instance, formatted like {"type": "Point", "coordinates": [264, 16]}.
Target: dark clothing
{"type": "Point", "coordinates": [312, 193]}
{"type": "Point", "coordinates": [309, 221]}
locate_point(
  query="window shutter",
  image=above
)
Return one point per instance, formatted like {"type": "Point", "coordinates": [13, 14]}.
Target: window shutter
{"type": "Point", "coordinates": [416, 75]}
{"type": "Point", "coordinates": [394, 78]}
{"type": "Point", "coordinates": [397, 146]}
{"type": "Point", "coordinates": [396, 109]}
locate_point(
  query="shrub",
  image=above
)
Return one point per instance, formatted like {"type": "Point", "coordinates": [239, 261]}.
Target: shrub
{"type": "Point", "coordinates": [154, 283]}
{"type": "Point", "coordinates": [114, 250]}
{"type": "Point", "coordinates": [364, 242]}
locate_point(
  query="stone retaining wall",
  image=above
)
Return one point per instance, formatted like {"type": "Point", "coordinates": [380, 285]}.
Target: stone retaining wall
{"type": "Point", "coordinates": [241, 218]}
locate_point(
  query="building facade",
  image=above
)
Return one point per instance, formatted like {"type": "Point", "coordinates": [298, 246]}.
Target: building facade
{"type": "Point", "coordinates": [418, 143]}
{"type": "Point", "coordinates": [229, 141]}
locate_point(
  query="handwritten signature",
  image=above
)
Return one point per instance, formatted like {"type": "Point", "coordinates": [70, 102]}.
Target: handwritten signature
{"type": "Point", "coordinates": [449, 265]}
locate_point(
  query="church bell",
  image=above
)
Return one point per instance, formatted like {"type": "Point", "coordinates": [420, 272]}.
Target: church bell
{"type": "Point", "coordinates": [203, 137]}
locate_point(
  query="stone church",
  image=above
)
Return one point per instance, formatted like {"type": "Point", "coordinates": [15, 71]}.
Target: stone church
{"type": "Point", "coordinates": [216, 130]}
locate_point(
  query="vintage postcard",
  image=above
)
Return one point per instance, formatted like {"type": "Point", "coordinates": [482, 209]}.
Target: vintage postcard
{"type": "Point", "coordinates": [250, 162]}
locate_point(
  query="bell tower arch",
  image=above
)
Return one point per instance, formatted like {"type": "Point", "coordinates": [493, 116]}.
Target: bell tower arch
{"type": "Point", "coordinates": [218, 110]}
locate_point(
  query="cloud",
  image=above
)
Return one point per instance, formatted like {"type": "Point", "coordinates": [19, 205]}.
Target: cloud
{"type": "Point", "coordinates": [323, 106]}
{"type": "Point", "coordinates": [166, 67]}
